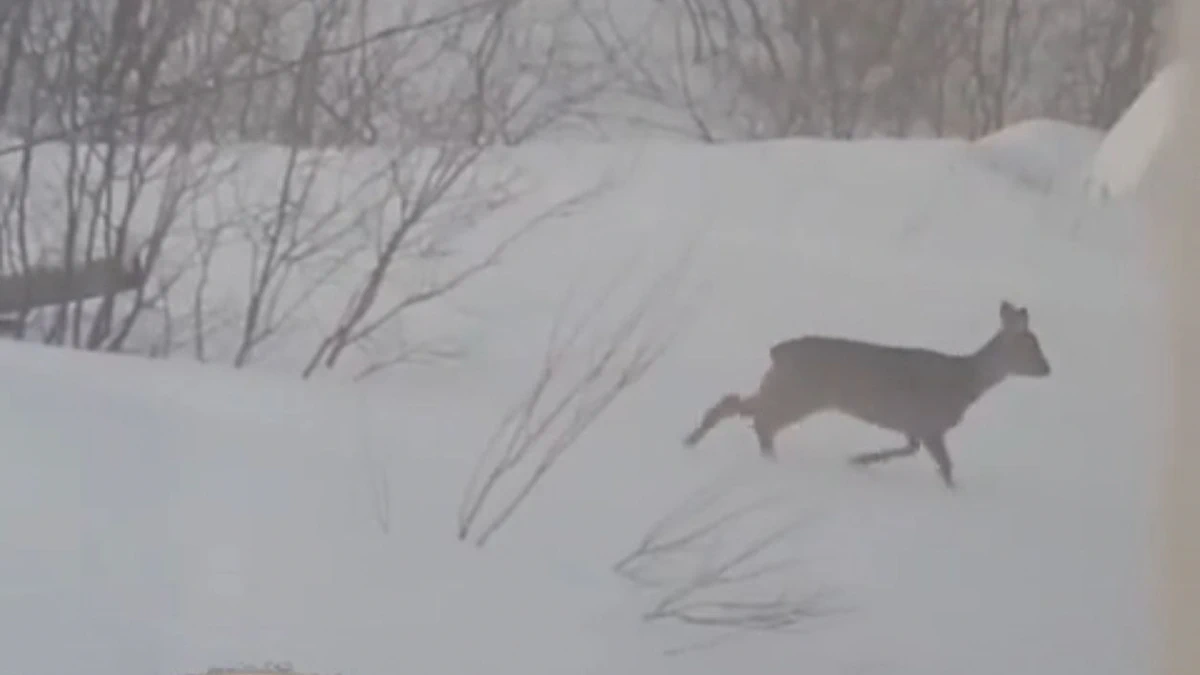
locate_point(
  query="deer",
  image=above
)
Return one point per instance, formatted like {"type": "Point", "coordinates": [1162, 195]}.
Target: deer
{"type": "Point", "coordinates": [917, 392]}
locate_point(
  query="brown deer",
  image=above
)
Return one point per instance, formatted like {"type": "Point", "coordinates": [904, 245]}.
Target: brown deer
{"type": "Point", "coordinates": [918, 392]}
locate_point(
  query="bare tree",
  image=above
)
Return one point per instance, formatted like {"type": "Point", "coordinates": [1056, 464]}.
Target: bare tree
{"type": "Point", "coordinates": [567, 397]}
{"type": "Point", "coordinates": [1110, 51]}
{"type": "Point", "coordinates": [102, 174]}
{"type": "Point", "coordinates": [126, 103]}
{"type": "Point", "coordinates": [530, 69]}
{"type": "Point", "coordinates": [418, 236]}
{"type": "Point", "coordinates": [737, 69]}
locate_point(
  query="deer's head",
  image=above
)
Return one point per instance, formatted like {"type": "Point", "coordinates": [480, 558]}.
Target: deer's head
{"type": "Point", "coordinates": [1017, 348]}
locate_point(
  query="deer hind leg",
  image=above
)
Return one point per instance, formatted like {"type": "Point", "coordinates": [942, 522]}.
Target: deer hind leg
{"type": "Point", "coordinates": [773, 414]}
{"type": "Point", "coordinates": [783, 401]}
{"type": "Point", "coordinates": [730, 405]}
{"type": "Point", "coordinates": [868, 458]}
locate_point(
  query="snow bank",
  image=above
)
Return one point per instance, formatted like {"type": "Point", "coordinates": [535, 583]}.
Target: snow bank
{"type": "Point", "coordinates": [1125, 154]}
{"type": "Point", "coordinates": [166, 518]}
{"type": "Point", "coordinates": [1041, 154]}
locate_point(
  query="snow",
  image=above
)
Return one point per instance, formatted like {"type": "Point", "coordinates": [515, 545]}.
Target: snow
{"type": "Point", "coordinates": [1128, 148]}
{"type": "Point", "coordinates": [166, 517]}
{"type": "Point", "coordinates": [1041, 154]}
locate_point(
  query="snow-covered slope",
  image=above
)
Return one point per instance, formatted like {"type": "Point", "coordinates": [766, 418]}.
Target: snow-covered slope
{"type": "Point", "coordinates": [165, 518]}
{"type": "Point", "coordinates": [1041, 154]}
{"type": "Point", "coordinates": [1125, 154]}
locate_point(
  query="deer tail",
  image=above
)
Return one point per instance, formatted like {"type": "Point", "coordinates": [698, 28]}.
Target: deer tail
{"type": "Point", "coordinates": [729, 405]}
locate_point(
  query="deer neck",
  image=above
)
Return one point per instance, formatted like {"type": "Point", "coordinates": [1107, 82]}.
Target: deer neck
{"type": "Point", "coordinates": [987, 369]}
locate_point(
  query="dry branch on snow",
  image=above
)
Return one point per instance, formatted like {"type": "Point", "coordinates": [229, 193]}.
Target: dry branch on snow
{"type": "Point", "coordinates": [724, 561]}
{"type": "Point", "coordinates": [566, 399]}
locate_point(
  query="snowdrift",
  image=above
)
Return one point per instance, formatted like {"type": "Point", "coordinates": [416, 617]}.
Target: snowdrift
{"type": "Point", "coordinates": [167, 518]}
{"type": "Point", "coordinates": [1128, 148]}
{"type": "Point", "coordinates": [1041, 154]}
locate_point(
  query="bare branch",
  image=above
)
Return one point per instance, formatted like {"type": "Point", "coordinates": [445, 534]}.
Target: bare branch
{"type": "Point", "coordinates": [562, 404]}
{"type": "Point", "coordinates": [709, 563]}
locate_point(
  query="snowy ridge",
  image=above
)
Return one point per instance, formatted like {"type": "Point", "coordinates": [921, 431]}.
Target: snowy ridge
{"type": "Point", "coordinates": [1126, 153]}
{"type": "Point", "coordinates": [166, 518]}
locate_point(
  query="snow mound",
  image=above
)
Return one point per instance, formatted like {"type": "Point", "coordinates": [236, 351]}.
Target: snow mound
{"type": "Point", "coordinates": [1124, 156]}
{"type": "Point", "coordinates": [1042, 154]}
{"type": "Point", "coordinates": [165, 518]}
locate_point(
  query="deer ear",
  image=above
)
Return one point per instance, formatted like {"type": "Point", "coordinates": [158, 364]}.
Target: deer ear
{"type": "Point", "coordinates": [1011, 317]}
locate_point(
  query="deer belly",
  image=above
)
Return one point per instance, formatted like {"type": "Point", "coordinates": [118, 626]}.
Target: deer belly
{"type": "Point", "coordinates": [906, 412]}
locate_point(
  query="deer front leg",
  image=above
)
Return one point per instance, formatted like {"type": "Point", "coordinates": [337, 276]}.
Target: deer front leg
{"type": "Point", "coordinates": [868, 458]}
{"type": "Point", "coordinates": [937, 447]}
{"type": "Point", "coordinates": [765, 429]}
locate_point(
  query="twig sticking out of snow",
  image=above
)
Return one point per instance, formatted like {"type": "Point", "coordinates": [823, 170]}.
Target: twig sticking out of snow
{"type": "Point", "coordinates": [712, 563]}
{"type": "Point", "coordinates": [565, 400]}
